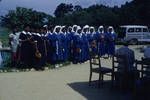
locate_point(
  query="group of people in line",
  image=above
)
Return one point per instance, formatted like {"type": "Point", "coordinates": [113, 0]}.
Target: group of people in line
{"type": "Point", "coordinates": [34, 46]}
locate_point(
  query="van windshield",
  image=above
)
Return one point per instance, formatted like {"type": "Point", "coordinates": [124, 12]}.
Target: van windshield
{"type": "Point", "coordinates": [122, 32]}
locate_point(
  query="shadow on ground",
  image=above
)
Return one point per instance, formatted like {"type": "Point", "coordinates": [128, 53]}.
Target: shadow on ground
{"type": "Point", "coordinates": [105, 92]}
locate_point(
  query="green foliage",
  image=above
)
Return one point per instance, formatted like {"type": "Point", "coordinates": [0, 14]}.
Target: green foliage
{"type": "Point", "coordinates": [23, 16]}
{"type": "Point", "coordinates": [135, 12]}
{"type": "Point", "coordinates": [4, 35]}
{"type": "Point", "coordinates": [143, 10]}
{"type": "Point", "coordinates": [94, 15]}
{"type": "Point", "coordinates": [63, 9]}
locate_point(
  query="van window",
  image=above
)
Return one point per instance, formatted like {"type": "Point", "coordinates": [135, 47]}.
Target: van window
{"type": "Point", "coordinates": [130, 30]}
{"type": "Point", "coordinates": [145, 30]}
{"type": "Point", "coordinates": [138, 30]}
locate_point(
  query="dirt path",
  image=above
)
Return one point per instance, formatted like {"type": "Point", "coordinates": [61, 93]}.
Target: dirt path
{"type": "Point", "coordinates": [67, 83]}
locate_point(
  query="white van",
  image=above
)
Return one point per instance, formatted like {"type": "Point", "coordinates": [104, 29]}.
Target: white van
{"type": "Point", "coordinates": [134, 33]}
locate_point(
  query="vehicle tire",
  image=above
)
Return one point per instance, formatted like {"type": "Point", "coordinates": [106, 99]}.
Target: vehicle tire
{"type": "Point", "coordinates": [133, 41]}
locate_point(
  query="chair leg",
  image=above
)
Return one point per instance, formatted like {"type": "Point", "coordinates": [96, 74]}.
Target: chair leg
{"type": "Point", "coordinates": [112, 80]}
{"type": "Point", "coordinates": [99, 80]}
{"type": "Point", "coordinates": [90, 78]}
{"type": "Point", "coordinates": [102, 78]}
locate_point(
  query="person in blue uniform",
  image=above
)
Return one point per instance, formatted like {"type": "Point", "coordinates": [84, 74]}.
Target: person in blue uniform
{"type": "Point", "coordinates": [55, 46]}
{"type": "Point", "coordinates": [110, 37]}
{"type": "Point", "coordinates": [60, 44]}
{"type": "Point", "coordinates": [72, 38]}
{"type": "Point", "coordinates": [89, 35]}
{"type": "Point", "coordinates": [101, 41]}
{"type": "Point", "coordinates": [69, 40]}
{"type": "Point", "coordinates": [78, 46]}
{"type": "Point", "coordinates": [61, 49]}
{"type": "Point", "coordinates": [85, 32]}
{"type": "Point", "coordinates": [64, 42]}
{"type": "Point", "coordinates": [47, 40]}
{"type": "Point", "coordinates": [92, 41]}
{"type": "Point", "coordinates": [49, 46]}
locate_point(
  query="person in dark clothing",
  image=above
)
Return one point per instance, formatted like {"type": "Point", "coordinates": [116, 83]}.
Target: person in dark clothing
{"type": "Point", "coordinates": [26, 51]}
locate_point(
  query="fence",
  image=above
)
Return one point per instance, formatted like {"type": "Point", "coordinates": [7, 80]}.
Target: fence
{"type": "Point", "coordinates": [5, 57]}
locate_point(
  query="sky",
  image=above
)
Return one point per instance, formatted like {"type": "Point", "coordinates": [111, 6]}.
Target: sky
{"type": "Point", "coordinates": [49, 6]}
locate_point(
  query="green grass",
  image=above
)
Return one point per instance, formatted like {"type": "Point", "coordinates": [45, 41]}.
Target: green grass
{"type": "Point", "coordinates": [4, 32]}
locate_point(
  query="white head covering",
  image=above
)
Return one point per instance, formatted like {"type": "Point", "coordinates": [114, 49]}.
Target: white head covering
{"type": "Point", "coordinates": [54, 31]}
{"type": "Point", "coordinates": [74, 27]}
{"type": "Point", "coordinates": [62, 27]}
{"type": "Point", "coordinates": [110, 27]}
{"type": "Point", "coordinates": [77, 33]}
{"type": "Point", "coordinates": [101, 27]}
{"type": "Point", "coordinates": [78, 28]}
{"type": "Point", "coordinates": [93, 29]}
{"type": "Point", "coordinates": [69, 28]}
{"type": "Point", "coordinates": [85, 27]}
{"type": "Point", "coordinates": [45, 26]}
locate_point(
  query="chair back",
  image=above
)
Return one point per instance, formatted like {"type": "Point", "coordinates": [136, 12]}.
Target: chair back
{"type": "Point", "coordinates": [146, 61]}
{"type": "Point", "coordinates": [94, 60]}
{"type": "Point", "coordinates": [119, 60]}
{"type": "Point", "coordinates": [146, 67]}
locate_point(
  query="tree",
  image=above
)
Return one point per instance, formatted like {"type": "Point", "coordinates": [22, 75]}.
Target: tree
{"type": "Point", "coordinates": [22, 16]}
{"type": "Point", "coordinates": [135, 12]}
{"type": "Point", "coordinates": [63, 9]}
{"type": "Point", "coordinates": [143, 7]}
{"type": "Point", "coordinates": [77, 8]}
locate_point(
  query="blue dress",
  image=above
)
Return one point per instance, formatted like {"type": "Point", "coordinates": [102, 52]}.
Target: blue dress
{"type": "Point", "coordinates": [101, 44]}
{"type": "Point", "coordinates": [55, 48]}
{"type": "Point", "coordinates": [69, 46]}
{"type": "Point", "coordinates": [66, 46]}
{"type": "Point", "coordinates": [78, 49]}
{"type": "Point", "coordinates": [110, 43]}
{"type": "Point", "coordinates": [71, 37]}
{"type": "Point", "coordinates": [86, 55]}
{"type": "Point", "coordinates": [96, 39]}
{"type": "Point", "coordinates": [93, 44]}
{"type": "Point", "coordinates": [60, 47]}
{"type": "Point", "coordinates": [63, 47]}
{"type": "Point", "coordinates": [89, 40]}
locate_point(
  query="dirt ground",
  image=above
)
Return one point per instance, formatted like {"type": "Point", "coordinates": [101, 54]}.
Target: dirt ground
{"type": "Point", "coordinates": [66, 83]}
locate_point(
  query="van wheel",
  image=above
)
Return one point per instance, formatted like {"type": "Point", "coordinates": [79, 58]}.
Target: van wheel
{"type": "Point", "coordinates": [134, 41]}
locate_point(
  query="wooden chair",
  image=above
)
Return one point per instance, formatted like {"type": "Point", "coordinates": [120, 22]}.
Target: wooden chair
{"type": "Point", "coordinates": [127, 77]}
{"type": "Point", "coordinates": [101, 70]}
{"type": "Point", "coordinates": [143, 84]}
{"type": "Point", "coordinates": [116, 60]}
